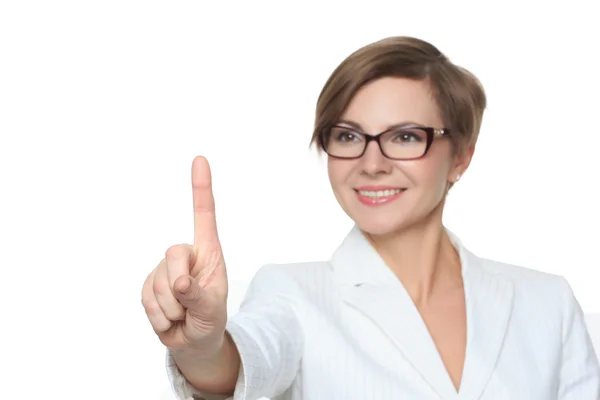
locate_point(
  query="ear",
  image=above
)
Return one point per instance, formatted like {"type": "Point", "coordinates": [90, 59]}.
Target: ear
{"type": "Point", "coordinates": [462, 160]}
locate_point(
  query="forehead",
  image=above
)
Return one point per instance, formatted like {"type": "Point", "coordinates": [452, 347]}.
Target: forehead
{"type": "Point", "coordinates": [389, 101]}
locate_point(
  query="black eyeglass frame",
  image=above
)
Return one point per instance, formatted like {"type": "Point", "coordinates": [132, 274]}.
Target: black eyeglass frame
{"type": "Point", "coordinates": [430, 131]}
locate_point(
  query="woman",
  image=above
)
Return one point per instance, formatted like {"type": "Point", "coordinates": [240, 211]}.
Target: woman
{"type": "Point", "coordinates": [402, 310]}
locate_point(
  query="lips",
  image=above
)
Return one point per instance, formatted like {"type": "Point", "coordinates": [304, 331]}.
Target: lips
{"type": "Point", "coordinates": [378, 195]}
{"type": "Point", "coordinates": [374, 194]}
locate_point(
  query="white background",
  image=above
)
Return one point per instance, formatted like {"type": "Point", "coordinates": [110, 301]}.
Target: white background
{"type": "Point", "coordinates": [103, 106]}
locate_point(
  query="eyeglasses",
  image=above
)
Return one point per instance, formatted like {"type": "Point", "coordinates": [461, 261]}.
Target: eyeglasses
{"type": "Point", "coordinates": [404, 143]}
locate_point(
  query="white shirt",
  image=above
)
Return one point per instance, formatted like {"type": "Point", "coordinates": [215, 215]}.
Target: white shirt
{"type": "Point", "coordinates": [347, 329]}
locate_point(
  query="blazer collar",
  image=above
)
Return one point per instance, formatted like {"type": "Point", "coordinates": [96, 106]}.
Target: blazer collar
{"type": "Point", "coordinates": [356, 261]}
{"type": "Point", "coordinates": [368, 285]}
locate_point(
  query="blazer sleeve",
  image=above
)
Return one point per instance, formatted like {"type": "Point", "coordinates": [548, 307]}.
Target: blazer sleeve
{"type": "Point", "coordinates": [268, 335]}
{"type": "Point", "coordinates": [580, 370]}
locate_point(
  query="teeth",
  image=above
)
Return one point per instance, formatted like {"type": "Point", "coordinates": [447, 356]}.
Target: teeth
{"type": "Point", "coordinates": [379, 193]}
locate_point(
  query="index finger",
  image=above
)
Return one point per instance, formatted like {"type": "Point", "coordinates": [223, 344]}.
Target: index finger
{"type": "Point", "coordinates": [205, 223]}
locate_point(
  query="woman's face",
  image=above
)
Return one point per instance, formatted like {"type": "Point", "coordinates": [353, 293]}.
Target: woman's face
{"type": "Point", "coordinates": [423, 182]}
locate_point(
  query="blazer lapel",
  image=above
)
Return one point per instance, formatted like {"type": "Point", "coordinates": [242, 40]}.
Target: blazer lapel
{"type": "Point", "coordinates": [489, 300]}
{"type": "Point", "coordinates": [369, 286]}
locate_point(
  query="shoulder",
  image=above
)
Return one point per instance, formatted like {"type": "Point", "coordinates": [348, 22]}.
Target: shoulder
{"type": "Point", "coordinates": [280, 286]}
{"type": "Point", "coordinates": [298, 270]}
{"type": "Point", "coordinates": [294, 275]}
{"type": "Point", "coordinates": [290, 279]}
{"type": "Point", "coordinates": [524, 277]}
{"type": "Point", "coordinates": [533, 289]}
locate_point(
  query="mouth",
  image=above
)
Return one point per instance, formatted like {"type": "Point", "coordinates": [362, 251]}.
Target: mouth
{"type": "Point", "coordinates": [377, 194]}
{"type": "Point", "coordinates": [378, 197]}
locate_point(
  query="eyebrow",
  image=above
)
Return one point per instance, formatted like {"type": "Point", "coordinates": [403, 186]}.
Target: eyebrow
{"type": "Point", "coordinates": [357, 126]}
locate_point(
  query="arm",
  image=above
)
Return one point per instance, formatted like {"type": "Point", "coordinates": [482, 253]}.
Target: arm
{"type": "Point", "coordinates": [580, 372]}
{"type": "Point", "coordinates": [266, 345]}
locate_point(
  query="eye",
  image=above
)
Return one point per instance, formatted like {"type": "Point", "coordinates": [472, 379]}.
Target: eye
{"type": "Point", "coordinates": [409, 136]}
{"type": "Point", "coordinates": [344, 135]}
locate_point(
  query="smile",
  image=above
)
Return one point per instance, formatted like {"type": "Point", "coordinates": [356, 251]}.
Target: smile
{"type": "Point", "coordinates": [378, 197]}
{"type": "Point", "coordinates": [379, 193]}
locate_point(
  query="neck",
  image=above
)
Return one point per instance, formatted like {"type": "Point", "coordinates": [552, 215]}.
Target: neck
{"type": "Point", "coordinates": [422, 257]}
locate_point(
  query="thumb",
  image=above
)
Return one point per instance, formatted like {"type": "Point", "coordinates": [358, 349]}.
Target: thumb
{"type": "Point", "coordinates": [187, 291]}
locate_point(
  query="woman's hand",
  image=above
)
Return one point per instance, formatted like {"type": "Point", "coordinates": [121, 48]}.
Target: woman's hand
{"type": "Point", "coordinates": [185, 296]}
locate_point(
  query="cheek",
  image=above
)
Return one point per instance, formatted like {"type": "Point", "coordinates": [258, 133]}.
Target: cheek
{"type": "Point", "coordinates": [429, 174]}
{"type": "Point", "coordinates": [436, 166]}
{"type": "Point", "coordinates": [435, 178]}
{"type": "Point", "coordinates": [339, 172]}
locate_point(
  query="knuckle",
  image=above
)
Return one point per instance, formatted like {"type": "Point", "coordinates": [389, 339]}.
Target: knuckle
{"type": "Point", "coordinates": [204, 209]}
{"type": "Point", "coordinates": [148, 282]}
{"type": "Point", "coordinates": [177, 251]}
{"type": "Point", "coordinates": [151, 307]}
{"type": "Point", "coordinates": [160, 286]}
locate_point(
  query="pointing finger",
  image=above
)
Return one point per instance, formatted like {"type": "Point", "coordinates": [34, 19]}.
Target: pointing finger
{"type": "Point", "coordinates": [205, 224]}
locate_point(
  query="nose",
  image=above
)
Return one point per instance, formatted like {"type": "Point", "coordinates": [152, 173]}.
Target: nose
{"type": "Point", "coordinates": [373, 162]}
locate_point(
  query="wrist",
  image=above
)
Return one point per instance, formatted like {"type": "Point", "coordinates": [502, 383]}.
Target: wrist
{"type": "Point", "coordinates": [213, 369]}
{"type": "Point", "coordinates": [207, 351]}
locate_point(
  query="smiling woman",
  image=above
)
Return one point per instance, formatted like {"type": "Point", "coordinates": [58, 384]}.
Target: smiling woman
{"type": "Point", "coordinates": [423, 156]}
{"type": "Point", "coordinates": [402, 309]}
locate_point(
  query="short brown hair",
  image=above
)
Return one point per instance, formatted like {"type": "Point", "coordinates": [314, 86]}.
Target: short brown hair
{"type": "Point", "coordinates": [458, 93]}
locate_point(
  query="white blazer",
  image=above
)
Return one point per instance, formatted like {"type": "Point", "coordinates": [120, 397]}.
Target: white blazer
{"type": "Point", "coordinates": [347, 329]}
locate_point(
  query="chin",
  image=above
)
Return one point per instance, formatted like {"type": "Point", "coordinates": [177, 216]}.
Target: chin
{"type": "Point", "coordinates": [379, 225]}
